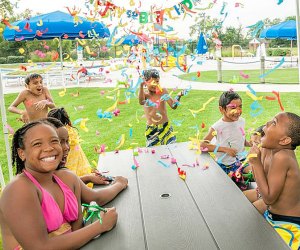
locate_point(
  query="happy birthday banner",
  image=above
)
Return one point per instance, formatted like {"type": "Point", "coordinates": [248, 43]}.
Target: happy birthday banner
{"type": "Point", "coordinates": [155, 15]}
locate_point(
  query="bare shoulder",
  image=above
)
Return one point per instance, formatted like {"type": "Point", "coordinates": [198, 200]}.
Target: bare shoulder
{"type": "Point", "coordinates": [68, 177]}
{"type": "Point", "coordinates": [17, 189]}
{"type": "Point", "coordinates": [285, 158]}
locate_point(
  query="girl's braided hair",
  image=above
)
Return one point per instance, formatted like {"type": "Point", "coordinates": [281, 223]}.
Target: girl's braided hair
{"type": "Point", "coordinates": [18, 142]}
{"type": "Point", "coordinates": [60, 114]}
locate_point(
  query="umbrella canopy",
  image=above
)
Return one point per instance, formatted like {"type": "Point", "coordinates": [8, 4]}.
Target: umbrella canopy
{"type": "Point", "coordinates": [55, 24]}
{"type": "Point", "coordinates": [284, 30]}
{"type": "Point", "coordinates": [129, 40]}
{"type": "Point", "coordinates": [202, 45]}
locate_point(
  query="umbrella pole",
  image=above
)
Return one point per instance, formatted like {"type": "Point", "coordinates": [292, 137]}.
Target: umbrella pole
{"type": "Point", "coordinates": [298, 36]}
{"type": "Point", "coordinates": [60, 54]}
{"type": "Point", "coordinates": [5, 130]}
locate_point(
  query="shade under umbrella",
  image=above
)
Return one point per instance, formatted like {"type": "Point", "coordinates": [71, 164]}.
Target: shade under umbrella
{"type": "Point", "coordinates": [55, 24]}
{"type": "Point", "coordinates": [202, 45]}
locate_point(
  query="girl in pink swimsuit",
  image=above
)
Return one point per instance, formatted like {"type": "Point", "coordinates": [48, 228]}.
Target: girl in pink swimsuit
{"type": "Point", "coordinates": [39, 209]}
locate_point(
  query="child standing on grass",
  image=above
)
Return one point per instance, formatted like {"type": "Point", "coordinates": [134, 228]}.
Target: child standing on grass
{"type": "Point", "coordinates": [76, 161]}
{"type": "Point", "coordinates": [36, 99]}
{"type": "Point", "coordinates": [280, 186]}
{"type": "Point", "coordinates": [229, 132]}
{"type": "Point", "coordinates": [154, 98]}
{"type": "Point", "coordinates": [48, 203]}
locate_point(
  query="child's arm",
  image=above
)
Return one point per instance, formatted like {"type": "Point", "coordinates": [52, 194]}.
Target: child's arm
{"type": "Point", "coordinates": [96, 179]}
{"type": "Point", "coordinates": [270, 185]}
{"type": "Point", "coordinates": [173, 103]}
{"type": "Point", "coordinates": [32, 233]}
{"type": "Point", "coordinates": [103, 195]}
{"type": "Point", "coordinates": [211, 147]}
{"type": "Point", "coordinates": [48, 102]}
{"type": "Point", "coordinates": [142, 96]}
{"type": "Point", "coordinates": [13, 107]}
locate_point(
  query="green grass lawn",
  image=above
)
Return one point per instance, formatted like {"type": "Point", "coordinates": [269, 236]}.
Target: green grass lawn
{"type": "Point", "coordinates": [233, 76]}
{"type": "Point", "coordinates": [109, 132]}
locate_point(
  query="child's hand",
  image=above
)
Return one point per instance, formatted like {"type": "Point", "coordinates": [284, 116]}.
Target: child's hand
{"type": "Point", "coordinates": [255, 150]}
{"type": "Point", "coordinates": [41, 104]}
{"type": "Point", "coordinates": [122, 180]}
{"type": "Point", "coordinates": [109, 218]}
{"type": "Point", "coordinates": [97, 179]}
{"type": "Point", "coordinates": [24, 117]}
{"type": "Point", "coordinates": [230, 151]}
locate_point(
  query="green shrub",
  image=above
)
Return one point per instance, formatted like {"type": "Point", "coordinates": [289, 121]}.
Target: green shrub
{"type": "Point", "coordinates": [15, 59]}
{"type": "Point", "coordinates": [269, 52]}
{"type": "Point", "coordinates": [279, 52]}
{"type": "Point", "coordinates": [2, 60]}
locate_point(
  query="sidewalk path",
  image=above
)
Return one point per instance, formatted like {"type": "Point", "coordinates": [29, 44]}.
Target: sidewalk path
{"type": "Point", "coordinates": [170, 80]}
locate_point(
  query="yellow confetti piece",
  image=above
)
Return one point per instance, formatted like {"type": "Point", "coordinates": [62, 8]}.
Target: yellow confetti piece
{"type": "Point", "coordinates": [1, 30]}
{"type": "Point", "coordinates": [40, 23]}
{"type": "Point", "coordinates": [119, 52]}
{"type": "Point", "coordinates": [81, 42]}
{"type": "Point", "coordinates": [67, 56]}
{"type": "Point", "coordinates": [82, 124]}
{"type": "Point", "coordinates": [21, 50]}
{"type": "Point", "coordinates": [113, 107]}
{"type": "Point", "coordinates": [62, 93]}
{"type": "Point", "coordinates": [203, 107]}
{"type": "Point", "coordinates": [122, 140]}
{"type": "Point", "coordinates": [254, 97]}
{"type": "Point", "coordinates": [87, 48]}
{"type": "Point", "coordinates": [94, 163]}
{"type": "Point", "coordinates": [214, 133]}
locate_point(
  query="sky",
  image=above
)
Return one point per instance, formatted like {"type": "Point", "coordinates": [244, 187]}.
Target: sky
{"type": "Point", "coordinates": [248, 13]}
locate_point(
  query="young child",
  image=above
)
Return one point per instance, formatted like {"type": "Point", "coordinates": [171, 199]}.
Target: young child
{"type": "Point", "coordinates": [229, 147]}
{"type": "Point", "coordinates": [100, 196]}
{"type": "Point", "coordinates": [76, 161]}
{"type": "Point", "coordinates": [158, 130]}
{"type": "Point", "coordinates": [280, 187]}
{"type": "Point", "coordinates": [36, 99]}
{"type": "Point", "coordinates": [253, 195]}
{"type": "Point", "coordinates": [47, 204]}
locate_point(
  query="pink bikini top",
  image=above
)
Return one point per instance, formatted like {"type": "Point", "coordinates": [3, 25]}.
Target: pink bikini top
{"type": "Point", "coordinates": [53, 216]}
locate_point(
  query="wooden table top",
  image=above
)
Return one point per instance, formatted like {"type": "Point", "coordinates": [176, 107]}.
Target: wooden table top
{"type": "Point", "coordinates": [206, 211]}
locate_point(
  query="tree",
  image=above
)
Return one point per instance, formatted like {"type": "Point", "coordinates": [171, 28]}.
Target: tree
{"type": "Point", "coordinates": [6, 8]}
{"type": "Point", "coordinates": [232, 36]}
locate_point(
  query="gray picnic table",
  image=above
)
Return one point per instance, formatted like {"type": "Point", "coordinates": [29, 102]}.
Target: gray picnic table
{"type": "Point", "coordinates": [159, 210]}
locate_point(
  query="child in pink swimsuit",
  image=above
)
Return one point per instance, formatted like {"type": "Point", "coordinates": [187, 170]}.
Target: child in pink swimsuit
{"type": "Point", "coordinates": [40, 209]}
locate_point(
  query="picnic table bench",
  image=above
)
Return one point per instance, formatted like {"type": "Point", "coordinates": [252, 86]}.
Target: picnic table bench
{"type": "Point", "coordinates": [159, 210]}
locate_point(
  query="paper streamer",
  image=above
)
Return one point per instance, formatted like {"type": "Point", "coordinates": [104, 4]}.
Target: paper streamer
{"type": "Point", "coordinates": [272, 70]}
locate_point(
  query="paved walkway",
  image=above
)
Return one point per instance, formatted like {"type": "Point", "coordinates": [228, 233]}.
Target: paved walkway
{"type": "Point", "coordinates": [170, 80]}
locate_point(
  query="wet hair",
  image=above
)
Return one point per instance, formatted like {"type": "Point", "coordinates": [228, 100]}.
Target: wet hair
{"type": "Point", "coordinates": [60, 114]}
{"type": "Point", "coordinates": [293, 129]}
{"type": "Point", "coordinates": [18, 142]}
{"type": "Point", "coordinates": [150, 73]}
{"type": "Point", "coordinates": [31, 77]}
{"type": "Point", "coordinates": [227, 97]}
{"type": "Point", "coordinates": [259, 131]}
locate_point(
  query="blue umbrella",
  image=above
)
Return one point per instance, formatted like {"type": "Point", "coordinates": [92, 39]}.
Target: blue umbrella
{"type": "Point", "coordinates": [202, 45]}
{"type": "Point", "coordinates": [55, 24]}
{"type": "Point", "coordinates": [129, 40]}
{"type": "Point", "coordinates": [284, 30]}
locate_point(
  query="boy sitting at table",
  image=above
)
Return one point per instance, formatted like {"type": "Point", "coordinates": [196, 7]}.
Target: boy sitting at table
{"type": "Point", "coordinates": [280, 188]}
